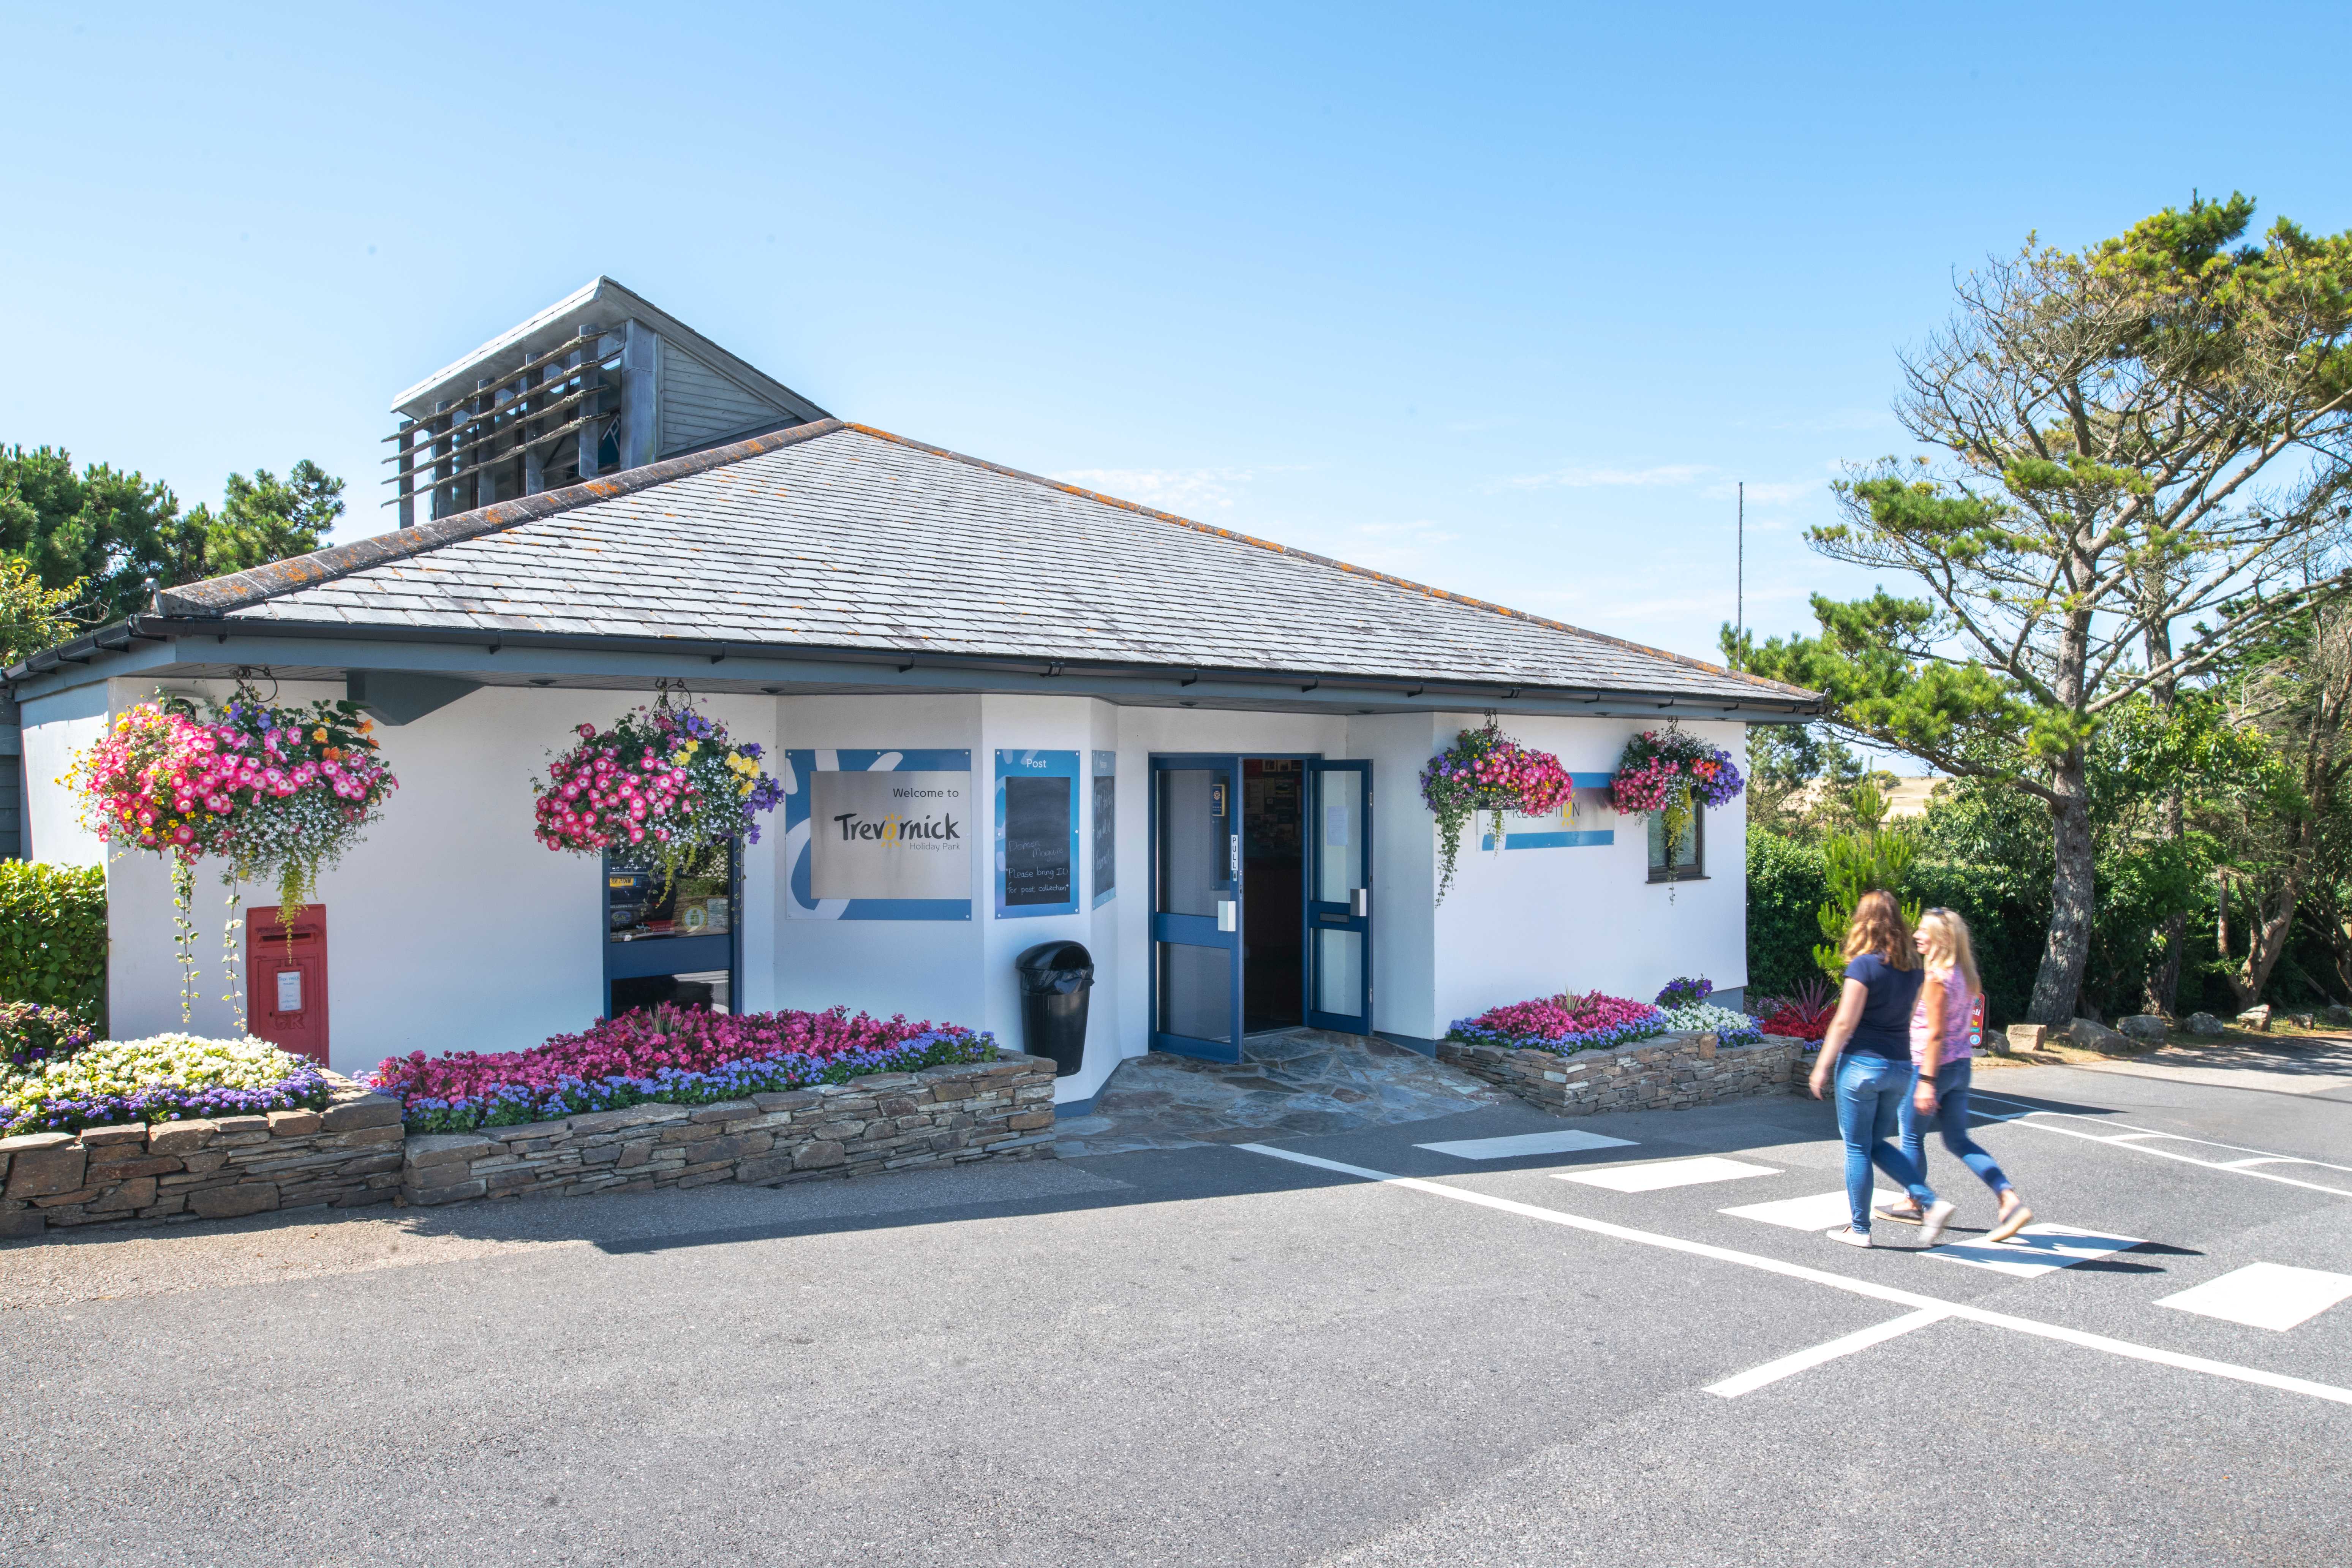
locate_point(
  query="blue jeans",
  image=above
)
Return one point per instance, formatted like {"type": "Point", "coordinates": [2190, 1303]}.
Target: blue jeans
{"type": "Point", "coordinates": [1870, 1095]}
{"type": "Point", "coordinates": [1952, 1121]}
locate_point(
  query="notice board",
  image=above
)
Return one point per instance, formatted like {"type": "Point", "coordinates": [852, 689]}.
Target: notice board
{"type": "Point", "coordinates": [1036, 834]}
{"type": "Point", "coordinates": [1104, 825]}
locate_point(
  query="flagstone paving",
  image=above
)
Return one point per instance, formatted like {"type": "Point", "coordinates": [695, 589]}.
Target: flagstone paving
{"type": "Point", "coordinates": [1299, 1081]}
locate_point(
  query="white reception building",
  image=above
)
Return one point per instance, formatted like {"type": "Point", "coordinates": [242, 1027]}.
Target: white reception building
{"type": "Point", "coordinates": [1193, 751]}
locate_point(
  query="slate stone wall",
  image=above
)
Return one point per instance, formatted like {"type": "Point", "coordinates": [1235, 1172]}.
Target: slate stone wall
{"type": "Point", "coordinates": [1672, 1072]}
{"type": "Point", "coordinates": [883, 1122]}
{"type": "Point", "coordinates": [347, 1154]}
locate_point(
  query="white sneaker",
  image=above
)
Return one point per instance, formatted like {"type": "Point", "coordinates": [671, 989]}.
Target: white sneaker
{"type": "Point", "coordinates": [1850, 1236]}
{"type": "Point", "coordinates": [1932, 1223]}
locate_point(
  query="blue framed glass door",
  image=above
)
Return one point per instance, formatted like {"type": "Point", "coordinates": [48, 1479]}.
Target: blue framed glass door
{"type": "Point", "coordinates": [674, 942]}
{"type": "Point", "coordinates": [1196, 906]}
{"type": "Point", "coordinates": [1340, 897]}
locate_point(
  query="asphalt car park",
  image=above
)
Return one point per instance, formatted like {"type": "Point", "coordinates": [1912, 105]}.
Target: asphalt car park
{"type": "Point", "coordinates": [1409, 1344]}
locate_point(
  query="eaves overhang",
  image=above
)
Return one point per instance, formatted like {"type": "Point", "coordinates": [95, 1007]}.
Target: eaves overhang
{"type": "Point", "coordinates": [160, 644]}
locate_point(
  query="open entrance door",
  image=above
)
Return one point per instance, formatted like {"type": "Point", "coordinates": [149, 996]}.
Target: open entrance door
{"type": "Point", "coordinates": [1196, 906]}
{"type": "Point", "coordinates": [1340, 897]}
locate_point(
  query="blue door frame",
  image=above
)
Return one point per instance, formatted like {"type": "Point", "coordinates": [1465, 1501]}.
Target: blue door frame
{"type": "Point", "coordinates": [1339, 894]}
{"type": "Point", "coordinates": [1349, 912]}
{"type": "Point", "coordinates": [1210, 932]}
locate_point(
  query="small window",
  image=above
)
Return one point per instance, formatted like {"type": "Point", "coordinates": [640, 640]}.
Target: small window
{"type": "Point", "coordinates": [1690, 854]}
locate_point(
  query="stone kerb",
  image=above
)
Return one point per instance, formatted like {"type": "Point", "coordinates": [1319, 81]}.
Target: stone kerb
{"type": "Point", "coordinates": [347, 1154]}
{"type": "Point", "coordinates": [1671, 1072]}
{"type": "Point", "coordinates": [883, 1122]}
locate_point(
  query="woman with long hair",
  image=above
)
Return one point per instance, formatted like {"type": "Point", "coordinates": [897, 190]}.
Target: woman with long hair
{"type": "Point", "coordinates": [1868, 1049]}
{"type": "Point", "coordinates": [1944, 1030]}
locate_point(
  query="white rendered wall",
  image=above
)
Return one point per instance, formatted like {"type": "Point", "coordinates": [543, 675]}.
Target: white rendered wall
{"type": "Point", "coordinates": [54, 728]}
{"type": "Point", "coordinates": [450, 927]}
{"type": "Point", "coordinates": [1531, 922]}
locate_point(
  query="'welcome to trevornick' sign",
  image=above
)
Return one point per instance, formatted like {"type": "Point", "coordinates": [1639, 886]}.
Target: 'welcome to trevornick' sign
{"type": "Point", "coordinates": [890, 835]}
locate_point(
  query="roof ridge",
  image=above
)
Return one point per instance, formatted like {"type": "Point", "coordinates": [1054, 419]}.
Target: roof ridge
{"type": "Point", "coordinates": [217, 595]}
{"type": "Point", "coordinates": [1249, 539]}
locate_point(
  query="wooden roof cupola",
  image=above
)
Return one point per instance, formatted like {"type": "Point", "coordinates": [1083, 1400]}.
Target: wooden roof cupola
{"type": "Point", "coordinates": [599, 382]}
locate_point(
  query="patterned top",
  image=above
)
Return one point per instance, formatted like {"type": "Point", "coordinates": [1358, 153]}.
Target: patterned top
{"type": "Point", "coordinates": [1959, 1002]}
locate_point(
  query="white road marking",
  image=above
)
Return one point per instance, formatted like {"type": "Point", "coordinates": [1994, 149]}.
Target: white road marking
{"type": "Point", "coordinates": [1651, 1178]}
{"type": "Point", "coordinates": [2265, 1296]}
{"type": "Point", "coordinates": [1819, 1212]}
{"type": "Point", "coordinates": [1860, 1340]}
{"type": "Point", "coordinates": [1520, 1143]}
{"type": "Point", "coordinates": [2036, 1249]}
{"type": "Point", "coordinates": [2031, 1117]}
{"type": "Point", "coordinates": [1845, 1282]}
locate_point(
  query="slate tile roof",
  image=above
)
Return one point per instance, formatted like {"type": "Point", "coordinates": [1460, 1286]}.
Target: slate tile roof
{"type": "Point", "coordinates": [840, 536]}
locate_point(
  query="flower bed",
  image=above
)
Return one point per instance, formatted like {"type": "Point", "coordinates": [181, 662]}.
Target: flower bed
{"type": "Point", "coordinates": [1728, 1025]}
{"type": "Point", "coordinates": [1565, 1023]}
{"type": "Point", "coordinates": [682, 1056]}
{"type": "Point", "coordinates": [168, 1078]}
{"type": "Point", "coordinates": [1804, 1016]}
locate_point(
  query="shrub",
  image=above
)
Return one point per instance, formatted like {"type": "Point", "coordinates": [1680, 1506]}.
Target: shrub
{"type": "Point", "coordinates": [677, 1055]}
{"type": "Point", "coordinates": [53, 936]}
{"type": "Point", "coordinates": [30, 1034]}
{"type": "Point", "coordinates": [163, 1079]}
{"type": "Point", "coordinates": [1785, 886]}
{"type": "Point", "coordinates": [1564, 1023]}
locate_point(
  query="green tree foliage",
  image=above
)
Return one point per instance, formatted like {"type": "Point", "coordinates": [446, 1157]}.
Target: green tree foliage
{"type": "Point", "coordinates": [100, 535]}
{"type": "Point", "coordinates": [53, 936]}
{"type": "Point", "coordinates": [1872, 858]}
{"type": "Point", "coordinates": [2151, 434]}
{"type": "Point", "coordinates": [266, 518]}
{"type": "Point", "coordinates": [100, 531]}
{"type": "Point", "coordinates": [31, 618]}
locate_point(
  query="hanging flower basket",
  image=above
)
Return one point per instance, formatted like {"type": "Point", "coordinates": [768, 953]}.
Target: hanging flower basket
{"type": "Point", "coordinates": [1485, 770]}
{"type": "Point", "coordinates": [276, 794]}
{"type": "Point", "coordinates": [1666, 771]}
{"type": "Point", "coordinates": [653, 791]}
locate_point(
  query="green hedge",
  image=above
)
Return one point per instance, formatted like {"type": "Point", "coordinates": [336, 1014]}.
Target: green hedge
{"type": "Point", "coordinates": [53, 936]}
{"type": "Point", "coordinates": [1785, 886]}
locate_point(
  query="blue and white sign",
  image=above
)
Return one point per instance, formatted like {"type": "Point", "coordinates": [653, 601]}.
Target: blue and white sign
{"type": "Point", "coordinates": [1575, 827]}
{"type": "Point", "coordinates": [878, 836]}
{"type": "Point", "coordinates": [1036, 834]}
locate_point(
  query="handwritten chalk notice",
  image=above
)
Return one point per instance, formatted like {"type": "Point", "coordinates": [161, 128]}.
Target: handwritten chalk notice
{"type": "Point", "coordinates": [1037, 868]}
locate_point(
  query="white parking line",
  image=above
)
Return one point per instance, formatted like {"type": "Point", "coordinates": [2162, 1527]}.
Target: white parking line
{"type": "Point", "coordinates": [1819, 1210]}
{"type": "Point", "coordinates": [2265, 1296]}
{"type": "Point", "coordinates": [2036, 1249]}
{"type": "Point", "coordinates": [2034, 1326]}
{"type": "Point", "coordinates": [2031, 1116]}
{"type": "Point", "coordinates": [1663, 1174]}
{"type": "Point", "coordinates": [1518, 1143]}
{"type": "Point", "coordinates": [1860, 1340]}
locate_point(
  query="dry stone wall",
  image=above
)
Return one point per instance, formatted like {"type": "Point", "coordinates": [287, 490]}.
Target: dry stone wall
{"type": "Point", "coordinates": [1669, 1073]}
{"type": "Point", "coordinates": [218, 1168]}
{"type": "Point", "coordinates": [883, 1122]}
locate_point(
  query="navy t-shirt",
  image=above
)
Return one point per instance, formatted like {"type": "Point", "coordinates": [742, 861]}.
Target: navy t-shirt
{"type": "Point", "coordinates": [1886, 1026]}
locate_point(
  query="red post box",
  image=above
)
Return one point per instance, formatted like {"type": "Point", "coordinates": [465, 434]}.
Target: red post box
{"type": "Point", "coordinates": [286, 980]}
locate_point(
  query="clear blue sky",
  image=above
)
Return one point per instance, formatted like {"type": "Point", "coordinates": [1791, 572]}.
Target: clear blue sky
{"type": "Point", "coordinates": [1505, 301]}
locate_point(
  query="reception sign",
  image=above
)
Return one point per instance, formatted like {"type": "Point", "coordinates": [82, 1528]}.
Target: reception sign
{"type": "Point", "coordinates": [879, 835]}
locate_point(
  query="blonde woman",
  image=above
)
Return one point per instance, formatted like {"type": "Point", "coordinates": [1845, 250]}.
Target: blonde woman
{"type": "Point", "coordinates": [1871, 1034]}
{"type": "Point", "coordinates": [1944, 1028]}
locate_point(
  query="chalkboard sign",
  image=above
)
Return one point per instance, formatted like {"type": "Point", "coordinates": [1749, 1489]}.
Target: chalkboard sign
{"type": "Point", "coordinates": [1037, 830]}
{"type": "Point", "coordinates": [1106, 836]}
